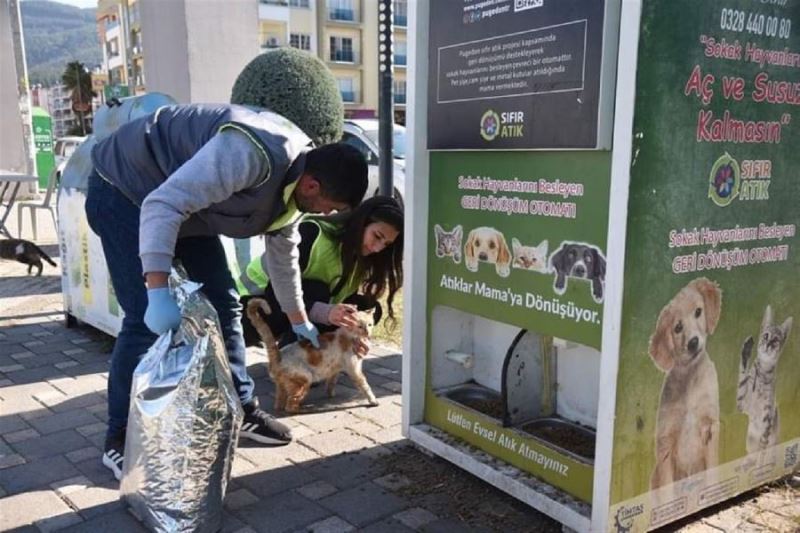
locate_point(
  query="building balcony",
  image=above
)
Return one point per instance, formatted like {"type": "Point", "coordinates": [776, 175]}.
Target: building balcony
{"type": "Point", "coordinates": [400, 20]}
{"type": "Point", "coordinates": [112, 32]}
{"type": "Point", "coordinates": [350, 97]}
{"type": "Point", "coordinates": [349, 57]}
{"type": "Point", "coordinates": [277, 10]}
{"type": "Point", "coordinates": [343, 15]}
{"type": "Point", "coordinates": [400, 60]}
{"type": "Point", "coordinates": [114, 61]}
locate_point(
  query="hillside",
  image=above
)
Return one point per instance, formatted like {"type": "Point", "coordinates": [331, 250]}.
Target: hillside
{"type": "Point", "coordinates": [56, 34]}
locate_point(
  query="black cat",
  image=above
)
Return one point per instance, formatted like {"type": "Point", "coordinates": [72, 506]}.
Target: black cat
{"type": "Point", "coordinates": [25, 252]}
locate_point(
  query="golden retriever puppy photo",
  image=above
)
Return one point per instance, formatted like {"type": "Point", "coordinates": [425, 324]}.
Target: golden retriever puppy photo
{"type": "Point", "coordinates": [487, 245]}
{"type": "Point", "coordinates": [687, 428]}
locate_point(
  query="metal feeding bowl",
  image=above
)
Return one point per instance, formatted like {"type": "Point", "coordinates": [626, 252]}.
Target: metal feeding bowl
{"type": "Point", "coordinates": [568, 438]}
{"type": "Point", "coordinates": [478, 398]}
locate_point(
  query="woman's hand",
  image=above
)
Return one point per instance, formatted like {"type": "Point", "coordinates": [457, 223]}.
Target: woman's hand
{"type": "Point", "coordinates": [361, 347]}
{"type": "Point", "coordinates": [343, 315]}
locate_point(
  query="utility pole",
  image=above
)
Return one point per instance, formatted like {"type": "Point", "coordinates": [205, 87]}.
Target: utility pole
{"type": "Point", "coordinates": [18, 46]}
{"type": "Point", "coordinates": [385, 98]}
{"type": "Point", "coordinates": [80, 98]}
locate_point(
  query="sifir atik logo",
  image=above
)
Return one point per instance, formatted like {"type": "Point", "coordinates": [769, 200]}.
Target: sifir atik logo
{"type": "Point", "coordinates": [506, 125]}
{"type": "Point", "coordinates": [729, 180]}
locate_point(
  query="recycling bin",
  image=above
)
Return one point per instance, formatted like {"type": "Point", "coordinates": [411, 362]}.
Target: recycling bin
{"type": "Point", "coordinates": [86, 287]}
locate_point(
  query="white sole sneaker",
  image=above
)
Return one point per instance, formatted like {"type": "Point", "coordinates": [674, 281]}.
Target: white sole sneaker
{"type": "Point", "coordinates": [263, 439]}
{"type": "Point", "coordinates": [113, 461]}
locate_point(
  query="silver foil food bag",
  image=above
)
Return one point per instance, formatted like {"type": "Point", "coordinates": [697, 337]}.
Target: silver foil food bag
{"type": "Point", "coordinates": [183, 423]}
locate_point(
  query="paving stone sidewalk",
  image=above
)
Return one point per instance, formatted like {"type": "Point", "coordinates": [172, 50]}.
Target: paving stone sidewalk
{"type": "Point", "coordinates": [349, 468]}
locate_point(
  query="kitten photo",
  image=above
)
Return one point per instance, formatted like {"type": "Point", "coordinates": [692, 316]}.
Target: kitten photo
{"type": "Point", "coordinates": [530, 257]}
{"type": "Point", "coordinates": [448, 243]}
{"type": "Point", "coordinates": [756, 391]}
{"type": "Point", "coordinates": [24, 252]}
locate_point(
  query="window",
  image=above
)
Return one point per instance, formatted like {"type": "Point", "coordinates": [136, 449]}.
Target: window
{"type": "Point", "coordinates": [300, 40]}
{"type": "Point", "coordinates": [112, 48]}
{"type": "Point", "coordinates": [361, 146]}
{"type": "Point", "coordinates": [298, 3]}
{"type": "Point", "coordinates": [399, 87]}
{"type": "Point", "coordinates": [342, 49]}
{"type": "Point", "coordinates": [400, 12]}
{"type": "Point", "coordinates": [341, 10]}
{"type": "Point", "coordinates": [346, 88]}
{"type": "Point", "coordinates": [400, 53]}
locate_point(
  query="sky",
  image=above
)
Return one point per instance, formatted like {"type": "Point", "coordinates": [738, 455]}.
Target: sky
{"type": "Point", "coordinates": [78, 3]}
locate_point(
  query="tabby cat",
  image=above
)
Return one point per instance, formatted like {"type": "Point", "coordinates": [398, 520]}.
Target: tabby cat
{"type": "Point", "coordinates": [448, 243]}
{"type": "Point", "coordinates": [25, 252]}
{"type": "Point", "coordinates": [756, 392]}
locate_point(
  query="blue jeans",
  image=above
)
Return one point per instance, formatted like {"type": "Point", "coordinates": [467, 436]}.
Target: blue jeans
{"type": "Point", "coordinates": [115, 219]}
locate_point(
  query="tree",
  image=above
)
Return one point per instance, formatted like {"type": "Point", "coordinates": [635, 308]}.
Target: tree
{"type": "Point", "coordinates": [79, 81]}
{"type": "Point", "coordinates": [296, 85]}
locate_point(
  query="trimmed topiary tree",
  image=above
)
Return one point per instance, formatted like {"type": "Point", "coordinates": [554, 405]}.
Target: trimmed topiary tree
{"type": "Point", "coordinates": [298, 86]}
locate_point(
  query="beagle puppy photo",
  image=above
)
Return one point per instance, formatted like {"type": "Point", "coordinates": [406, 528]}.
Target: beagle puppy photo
{"type": "Point", "coordinates": [687, 427]}
{"type": "Point", "coordinates": [583, 261]}
{"type": "Point", "coordinates": [487, 245]}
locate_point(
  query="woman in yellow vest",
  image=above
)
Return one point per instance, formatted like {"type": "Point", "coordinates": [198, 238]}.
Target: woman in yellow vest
{"type": "Point", "coordinates": [348, 261]}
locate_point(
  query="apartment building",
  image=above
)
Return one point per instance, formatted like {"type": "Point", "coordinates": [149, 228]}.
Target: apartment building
{"type": "Point", "coordinates": [120, 32]}
{"type": "Point", "coordinates": [344, 34]}
{"type": "Point", "coordinates": [59, 105]}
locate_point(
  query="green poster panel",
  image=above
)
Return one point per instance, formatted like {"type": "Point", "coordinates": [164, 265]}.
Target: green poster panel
{"type": "Point", "coordinates": [511, 231]}
{"type": "Point", "coordinates": [517, 247]}
{"type": "Point", "coordinates": [709, 356]}
{"type": "Point", "coordinates": [43, 141]}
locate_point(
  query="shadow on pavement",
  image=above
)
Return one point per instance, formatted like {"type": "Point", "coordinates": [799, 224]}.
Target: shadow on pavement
{"type": "Point", "coordinates": [13, 286]}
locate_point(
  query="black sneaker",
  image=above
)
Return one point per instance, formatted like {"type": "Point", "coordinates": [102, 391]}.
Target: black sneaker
{"type": "Point", "coordinates": [114, 454]}
{"type": "Point", "coordinates": [262, 427]}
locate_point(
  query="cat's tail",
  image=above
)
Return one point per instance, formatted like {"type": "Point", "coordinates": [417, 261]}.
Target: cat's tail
{"type": "Point", "coordinates": [44, 255]}
{"type": "Point", "coordinates": [273, 354]}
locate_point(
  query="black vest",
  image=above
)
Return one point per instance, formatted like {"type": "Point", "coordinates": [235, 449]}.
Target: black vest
{"type": "Point", "coordinates": [143, 153]}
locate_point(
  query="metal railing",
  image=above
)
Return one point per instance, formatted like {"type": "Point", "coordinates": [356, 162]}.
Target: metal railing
{"type": "Point", "coordinates": [344, 56]}
{"type": "Point", "coordinates": [342, 15]}
{"type": "Point", "coordinates": [350, 97]}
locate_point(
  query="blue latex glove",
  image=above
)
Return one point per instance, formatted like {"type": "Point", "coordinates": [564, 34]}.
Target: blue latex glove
{"type": "Point", "coordinates": [307, 330]}
{"type": "Point", "coordinates": [162, 312]}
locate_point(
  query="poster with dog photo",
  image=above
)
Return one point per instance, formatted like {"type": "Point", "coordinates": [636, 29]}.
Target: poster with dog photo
{"type": "Point", "coordinates": [519, 237]}
{"type": "Point", "coordinates": [709, 364]}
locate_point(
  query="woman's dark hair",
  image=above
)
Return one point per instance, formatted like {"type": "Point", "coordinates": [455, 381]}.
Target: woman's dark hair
{"type": "Point", "coordinates": [380, 271]}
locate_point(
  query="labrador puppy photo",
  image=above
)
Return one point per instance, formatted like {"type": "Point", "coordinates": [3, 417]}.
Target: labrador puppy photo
{"type": "Point", "coordinates": [487, 245]}
{"type": "Point", "coordinates": [583, 261]}
{"type": "Point", "coordinates": [687, 427]}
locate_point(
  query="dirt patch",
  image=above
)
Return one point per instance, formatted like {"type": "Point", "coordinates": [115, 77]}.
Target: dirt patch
{"type": "Point", "coordinates": [567, 437]}
{"type": "Point", "coordinates": [449, 493]}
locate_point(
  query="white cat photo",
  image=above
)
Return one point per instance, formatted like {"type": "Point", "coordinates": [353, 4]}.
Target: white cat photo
{"type": "Point", "coordinates": [530, 257]}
